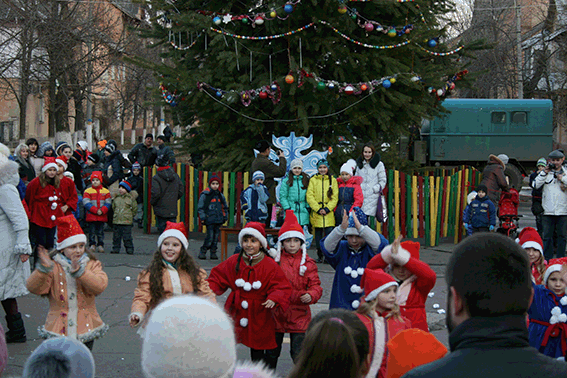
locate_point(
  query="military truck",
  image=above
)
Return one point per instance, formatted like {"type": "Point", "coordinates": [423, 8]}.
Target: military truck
{"type": "Point", "coordinates": [476, 128]}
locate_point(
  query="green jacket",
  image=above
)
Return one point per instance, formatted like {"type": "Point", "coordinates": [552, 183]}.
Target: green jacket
{"type": "Point", "coordinates": [125, 208]}
{"type": "Point", "coordinates": [318, 199]}
{"type": "Point", "coordinates": [293, 198]}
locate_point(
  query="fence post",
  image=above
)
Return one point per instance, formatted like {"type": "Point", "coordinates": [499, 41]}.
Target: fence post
{"type": "Point", "coordinates": [426, 199]}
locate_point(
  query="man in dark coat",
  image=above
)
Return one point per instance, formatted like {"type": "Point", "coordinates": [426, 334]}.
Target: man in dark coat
{"type": "Point", "coordinates": [489, 293]}
{"type": "Point", "coordinates": [493, 177]}
{"type": "Point", "coordinates": [270, 170]}
{"type": "Point", "coordinates": [165, 152]}
{"type": "Point", "coordinates": [144, 153]}
{"type": "Point", "coordinates": [167, 189]}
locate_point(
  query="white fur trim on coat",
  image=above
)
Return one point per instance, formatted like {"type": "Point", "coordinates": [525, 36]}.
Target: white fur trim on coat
{"type": "Point", "coordinates": [379, 346]}
{"type": "Point", "coordinates": [374, 293]}
{"type": "Point", "coordinates": [402, 257]}
{"type": "Point", "coordinates": [252, 231]}
{"type": "Point", "coordinates": [173, 233]}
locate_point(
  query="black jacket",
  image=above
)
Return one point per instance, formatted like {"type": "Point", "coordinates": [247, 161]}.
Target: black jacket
{"type": "Point", "coordinates": [491, 348]}
{"type": "Point", "coordinates": [143, 155]}
{"type": "Point", "coordinates": [137, 183]}
{"type": "Point", "coordinates": [212, 207]}
{"type": "Point", "coordinates": [167, 189]}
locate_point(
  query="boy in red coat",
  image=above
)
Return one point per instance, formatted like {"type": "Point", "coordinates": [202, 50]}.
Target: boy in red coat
{"type": "Point", "coordinates": [97, 202]}
{"type": "Point", "coordinates": [258, 285]}
{"type": "Point", "coordinates": [301, 271]}
{"type": "Point", "coordinates": [416, 278]}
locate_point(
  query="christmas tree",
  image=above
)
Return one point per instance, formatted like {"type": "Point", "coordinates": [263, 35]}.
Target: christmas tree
{"type": "Point", "coordinates": [347, 72]}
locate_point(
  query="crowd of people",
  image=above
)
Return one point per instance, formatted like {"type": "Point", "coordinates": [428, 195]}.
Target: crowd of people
{"type": "Point", "coordinates": [503, 297]}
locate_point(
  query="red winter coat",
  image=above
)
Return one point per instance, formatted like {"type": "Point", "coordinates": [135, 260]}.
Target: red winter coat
{"type": "Point", "coordinates": [350, 195]}
{"type": "Point", "coordinates": [298, 315]}
{"type": "Point", "coordinates": [254, 324]}
{"type": "Point", "coordinates": [95, 199]}
{"type": "Point", "coordinates": [414, 309]}
{"type": "Point", "coordinates": [39, 204]}
{"type": "Point", "coordinates": [394, 326]}
{"type": "Point", "coordinates": [69, 193]}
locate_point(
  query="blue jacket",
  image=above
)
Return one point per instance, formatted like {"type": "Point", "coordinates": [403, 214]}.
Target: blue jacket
{"type": "Point", "coordinates": [117, 171]}
{"type": "Point", "coordinates": [212, 207]}
{"type": "Point", "coordinates": [480, 213]}
{"type": "Point", "coordinates": [540, 310]}
{"type": "Point", "coordinates": [253, 202]}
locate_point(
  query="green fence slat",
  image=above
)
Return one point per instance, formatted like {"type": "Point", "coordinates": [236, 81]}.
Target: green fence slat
{"type": "Point", "coordinates": [427, 214]}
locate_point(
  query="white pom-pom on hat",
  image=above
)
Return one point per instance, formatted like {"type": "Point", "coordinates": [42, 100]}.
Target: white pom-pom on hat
{"type": "Point", "coordinates": [243, 322]}
{"type": "Point", "coordinates": [247, 286]}
{"type": "Point", "coordinates": [239, 282]}
{"type": "Point", "coordinates": [348, 270]}
{"type": "Point", "coordinates": [355, 304]}
{"type": "Point", "coordinates": [244, 304]}
{"type": "Point", "coordinates": [256, 285]}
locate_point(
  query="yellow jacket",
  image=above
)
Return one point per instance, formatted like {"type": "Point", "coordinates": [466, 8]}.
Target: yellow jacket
{"type": "Point", "coordinates": [317, 199]}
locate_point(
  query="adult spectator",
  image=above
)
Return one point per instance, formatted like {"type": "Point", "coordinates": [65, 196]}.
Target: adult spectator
{"type": "Point", "coordinates": [489, 293]}
{"type": "Point", "coordinates": [537, 207]}
{"type": "Point", "coordinates": [493, 176]}
{"type": "Point", "coordinates": [144, 153]}
{"type": "Point", "coordinates": [167, 133]}
{"type": "Point", "coordinates": [271, 170]}
{"type": "Point", "coordinates": [112, 172]}
{"type": "Point", "coordinates": [167, 189]}
{"type": "Point", "coordinates": [373, 173]}
{"type": "Point", "coordinates": [36, 161]}
{"type": "Point", "coordinates": [553, 180]}
{"type": "Point", "coordinates": [25, 167]}
{"type": "Point", "coordinates": [165, 152]}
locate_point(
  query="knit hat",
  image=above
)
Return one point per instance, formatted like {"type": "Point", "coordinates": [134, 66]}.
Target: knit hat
{"type": "Point", "coordinates": [68, 232]}
{"type": "Point", "coordinates": [97, 175]}
{"type": "Point", "coordinates": [101, 143]}
{"type": "Point", "coordinates": [136, 165]}
{"type": "Point", "coordinates": [375, 282]}
{"type": "Point", "coordinates": [77, 155]}
{"type": "Point", "coordinates": [215, 178]}
{"type": "Point", "coordinates": [291, 229]}
{"type": "Point", "coordinates": [258, 175]}
{"type": "Point", "coordinates": [256, 229]}
{"type": "Point", "coordinates": [126, 185]}
{"type": "Point", "coordinates": [83, 144]}
{"type": "Point", "coordinates": [149, 135]}
{"type": "Point", "coordinates": [162, 161]}
{"type": "Point", "coordinates": [482, 187]}
{"type": "Point", "coordinates": [262, 145]}
{"type": "Point", "coordinates": [296, 163]}
{"type": "Point", "coordinates": [61, 349]}
{"type": "Point", "coordinates": [177, 230]}
{"type": "Point", "coordinates": [110, 147]}
{"type": "Point", "coordinates": [49, 162]}
{"type": "Point", "coordinates": [60, 147]}
{"type": "Point", "coordinates": [530, 238]}
{"type": "Point", "coordinates": [542, 161]}
{"type": "Point", "coordinates": [321, 162]}
{"type": "Point", "coordinates": [348, 167]}
{"type": "Point", "coordinates": [94, 158]}
{"type": "Point", "coordinates": [162, 137]}
{"type": "Point", "coordinates": [551, 269]}
{"type": "Point", "coordinates": [62, 160]}
{"type": "Point", "coordinates": [556, 154]}
{"type": "Point", "coordinates": [188, 336]}
{"type": "Point", "coordinates": [351, 229]}
{"type": "Point", "coordinates": [412, 348]}
{"type": "Point", "coordinates": [504, 158]}
{"type": "Point", "coordinates": [471, 196]}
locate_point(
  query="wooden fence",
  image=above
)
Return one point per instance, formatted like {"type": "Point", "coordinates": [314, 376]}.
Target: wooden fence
{"type": "Point", "coordinates": [428, 205]}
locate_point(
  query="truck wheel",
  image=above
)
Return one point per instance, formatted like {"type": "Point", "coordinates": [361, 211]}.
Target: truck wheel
{"type": "Point", "coordinates": [514, 175]}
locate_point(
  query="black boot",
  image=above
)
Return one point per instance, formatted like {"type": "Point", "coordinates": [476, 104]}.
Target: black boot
{"type": "Point", "coordinates": [202, 254]}
{"type": "Point", "coordinates": [16, 330]}
{"type": "Point", "coordinates": [214, 255]}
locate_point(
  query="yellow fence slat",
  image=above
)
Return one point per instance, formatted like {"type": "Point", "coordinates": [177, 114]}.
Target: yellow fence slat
{"type": "Point", "coordinates": [446, 197]}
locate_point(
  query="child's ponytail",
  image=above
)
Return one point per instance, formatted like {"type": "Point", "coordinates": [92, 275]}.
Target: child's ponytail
{"type": "Point", "coordinates": [330, 191]}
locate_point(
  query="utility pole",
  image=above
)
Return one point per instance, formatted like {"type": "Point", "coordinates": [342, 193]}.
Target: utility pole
{"type": "Point", "coordinates": [519, 49]}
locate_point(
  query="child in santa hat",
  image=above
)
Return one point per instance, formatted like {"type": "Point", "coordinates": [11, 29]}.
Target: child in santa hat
{"type": "Point", "coordinates": [173, 271]}
{"type": "Point", "coordinates": [350, 191]}
{"type": "Point", "coordinates": [257, 285]}
{"type": "Point", "coordinates": [530, 240]}
{"type": "Point", "coordinates": [381, 315]}
{"type": "Point", "coordinates": [415, 278]}
{"type": "Point", "coordinates": [71, 277]}
{"type": "Point", "coordinates": [548, 313]}
{"type": "Point", "coordinates": [301, 272]}
{"type": "Point", "coordinates": [69, 198]}
{"type": "Point", "coordinates": [349, 257]}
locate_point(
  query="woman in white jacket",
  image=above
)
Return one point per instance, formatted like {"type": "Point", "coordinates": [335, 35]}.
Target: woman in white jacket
{"type": "Point", "coordinates": [373, 172]}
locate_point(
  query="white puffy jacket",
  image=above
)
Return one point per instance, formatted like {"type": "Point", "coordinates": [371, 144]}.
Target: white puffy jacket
{"type": "Point", "coordinates": [554, 199]}
{"type": "Point", "coordinates": [374, 181]}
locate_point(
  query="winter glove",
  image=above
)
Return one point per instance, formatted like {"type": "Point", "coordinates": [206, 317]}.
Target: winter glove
{"type": "Point", "coordinates": [491, 228]}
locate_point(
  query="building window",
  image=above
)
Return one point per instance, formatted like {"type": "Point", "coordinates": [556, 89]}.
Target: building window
{"type": "Point", "coordinates": [499, 118]}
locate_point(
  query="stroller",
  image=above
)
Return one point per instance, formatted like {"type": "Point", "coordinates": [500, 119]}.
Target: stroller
{"type": "Point", "coordinates": [508, 217]}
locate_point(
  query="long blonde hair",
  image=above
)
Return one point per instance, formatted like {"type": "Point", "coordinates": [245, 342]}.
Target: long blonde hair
{"type": "Point", "coordinates": [369, 308]}
{"type": "Point", "coordinates": [44, 180]}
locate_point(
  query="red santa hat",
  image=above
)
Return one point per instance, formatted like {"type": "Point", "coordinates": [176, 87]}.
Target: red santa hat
{"type": "Point", "coordinates": [62, 160]}
{"type": "Point", "coordinates": [529, 238]}
{"type": "Point", "coordinates": [69, 232]}
{"type": "Point", "coordinates": [256, 229]}
{"type": "Point", "coordinates": [291, 229]}
{"type": "Point", "coordinates": [48, 162]}
{"type": "Point", "coordinates": [176, 230]}
{"type": "Point", "coordinates": [375, 282]}
{"type": "Point", "coordinates": [408, 249]}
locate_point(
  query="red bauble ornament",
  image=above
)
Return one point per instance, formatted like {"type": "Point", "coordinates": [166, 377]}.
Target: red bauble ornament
{"type": "Point", "coordinates": [349, 89]}
{"type": "Point", "coordinates": [289, 79]}
{"type": "Point", "coordinates": [263, 95]}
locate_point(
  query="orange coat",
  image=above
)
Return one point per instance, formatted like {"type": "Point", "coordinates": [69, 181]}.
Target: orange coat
{"type": "Point", "coordinates": [183, 285]}
{"type": "Point", "coordinates": [72, 310]}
